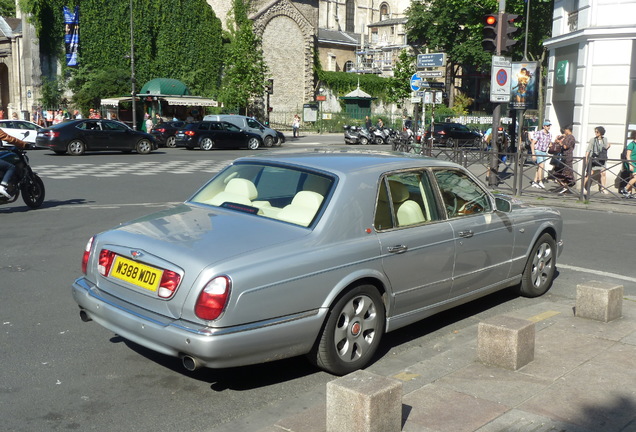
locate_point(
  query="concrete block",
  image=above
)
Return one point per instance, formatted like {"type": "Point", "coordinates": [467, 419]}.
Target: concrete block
{"type": "Point", "coordinates": [600, 301]}
{"type": "Point", "coordinates": [364, 402]}
{"type": "Point", "coordinates": [506, 342]}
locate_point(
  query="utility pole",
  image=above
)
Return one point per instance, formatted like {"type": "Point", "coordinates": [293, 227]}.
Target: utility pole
{"type": "Point", "coordinates": [132, 69]}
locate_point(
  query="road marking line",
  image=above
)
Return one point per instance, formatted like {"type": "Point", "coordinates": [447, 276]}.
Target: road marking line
{"type": "Point", "coordinates": [597, 272]}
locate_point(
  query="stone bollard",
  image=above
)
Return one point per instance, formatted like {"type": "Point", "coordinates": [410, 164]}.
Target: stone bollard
{"type": "Point", "coordinates": [364, 402]}
{"type": "Point", "coordinates": [600, 301]}
{"type": "Point", "coordinates": [506, 342]}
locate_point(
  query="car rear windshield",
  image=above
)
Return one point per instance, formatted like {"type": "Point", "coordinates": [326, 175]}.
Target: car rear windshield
{"type": "Point", "coordinates": [278, 192]}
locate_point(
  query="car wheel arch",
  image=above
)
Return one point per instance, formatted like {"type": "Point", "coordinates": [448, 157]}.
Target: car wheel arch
{"type": "Point", "coordinates": [378, 280]}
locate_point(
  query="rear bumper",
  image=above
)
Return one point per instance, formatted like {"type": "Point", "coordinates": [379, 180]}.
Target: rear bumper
{"type": "Point", "coordinates": [252, 343]}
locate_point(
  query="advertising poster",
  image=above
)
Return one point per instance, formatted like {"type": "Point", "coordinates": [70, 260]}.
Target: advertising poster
{"type": "Point", "coordinates": [71, 35]}
{"type": "Point", "coordinates": [524, 85]}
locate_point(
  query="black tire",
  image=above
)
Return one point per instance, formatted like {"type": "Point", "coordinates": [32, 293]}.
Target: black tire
{"type": "Point", "coordinates": [144, 146]}
{"type": "Point", "coordinates": [268, 141]}
{"type": "Point", "coordinates": [76, 148]}
{"type": "Point", "coordinates": [206, 144]}
{"type": "Point", "coordinates": [364, 141]}
{"type": "Point", "coordinates": [379, 141]}
{"type": "Point", "coordinates": [171, 141]}
{"type": "Point", "coordinates": [253, 143]}
{"type": "Point", "coordinates": [539, 272]}
{"type": "Point", "coordinates": [33, 191]}
{"type": "Point", "coordinates": [352, 332]}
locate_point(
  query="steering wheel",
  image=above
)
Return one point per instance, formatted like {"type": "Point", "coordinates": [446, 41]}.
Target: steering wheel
{"type": "Point", "coordinates": [470, 207]}
{"type": "Point", "coordinates": [450, 200]}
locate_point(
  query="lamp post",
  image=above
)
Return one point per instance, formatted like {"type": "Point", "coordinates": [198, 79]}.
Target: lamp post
{"type": "Point", "coordinates": [132, 69]}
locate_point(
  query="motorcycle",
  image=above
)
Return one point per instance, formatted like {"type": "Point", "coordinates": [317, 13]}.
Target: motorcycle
{"type": "Point", "coordinates": [356, 135]}
{"type": "Point", "coordinates": [24, 180]}
{"type": "Point", "coordinates": [380, 136]}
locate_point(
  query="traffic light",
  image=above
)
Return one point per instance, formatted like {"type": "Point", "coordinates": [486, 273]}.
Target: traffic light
{"type": "Point", "coordinates": [508, 29]}
{"type": "Point", "coordinates": [269, 88]}
{"type": "Point", "coordinates": [489, 43]}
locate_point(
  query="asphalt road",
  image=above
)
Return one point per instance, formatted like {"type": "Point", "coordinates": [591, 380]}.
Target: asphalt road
{"type": "Point", "coordinates": [59, 373]}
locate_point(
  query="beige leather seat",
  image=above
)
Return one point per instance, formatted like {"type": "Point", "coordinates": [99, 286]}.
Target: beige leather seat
{"type": "Point", "coordinates": [409, 212]}
{"type": "Point", "coordinates": [302, 209]}
{"type": "Point", "coordinates": [237, 190]}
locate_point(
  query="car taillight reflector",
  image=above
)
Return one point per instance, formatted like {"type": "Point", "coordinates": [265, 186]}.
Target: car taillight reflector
{"type": "Point", "coordinates": [213, 298]}
{"type": "Point", "coordinates": [442, 132]}
{"type": "Point", "coordinates": [52, 134]}
{"type": "Point", "coordinates": [169, 283]}
{"type": "Point", "coordinates": [162, 130]}
{"type": "Point", "coordinates": [106, 259]}
{"type": "Point", "coordinates": [189, 133]}
{"type": "Point", "coordinates": [87, 255]}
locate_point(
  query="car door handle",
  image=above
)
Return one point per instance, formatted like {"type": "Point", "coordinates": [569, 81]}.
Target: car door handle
{"type": "Point", "coordinates": [398, 249]}
{"type": "Point", "coordinates": [466, 234]}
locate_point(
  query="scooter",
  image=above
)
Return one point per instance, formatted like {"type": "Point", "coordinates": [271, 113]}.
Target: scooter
{"type": "Point", "coordinates": [380, 136]}
{"type": "Point", "coordinates": [24, 179]}
{"type": "Point", "coordinates": [356, 135]}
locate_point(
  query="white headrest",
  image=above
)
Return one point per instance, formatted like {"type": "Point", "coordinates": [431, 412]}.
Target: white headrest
{"type": "Point", "coordinates": [307, 199]}
{"type": "Point", "coordinates": [242, 187]}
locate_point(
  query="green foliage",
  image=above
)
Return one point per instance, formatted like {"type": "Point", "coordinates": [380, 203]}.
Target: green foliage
{"type": "Point", "coordinates": [179, 39]}
{"type": "Point", "coordinates": [245, 69]}
{"type": "Point", "coordinates": [462, 103]}
{"type": "Point", "coordinates": [90, 86]}
{"type": "Point", "coordinates": [7, 8]}
{"type": "Point", "coordinates": [456, 28]}
{"type": "Point", "coordinates": [51, 93]}
{"type": "Point", "coordinates": [341, 83]}
{"type": "Point", "coordinates": [400, 88]}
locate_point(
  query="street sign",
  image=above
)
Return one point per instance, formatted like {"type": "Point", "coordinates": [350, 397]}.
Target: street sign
{"type": "Point", "coordinates": [431, 60]}
{"type": "Point", "coordinates": [428, 84]}
{"type": "Point", "coordinates": [430, 74]}
{"type": "Point", "coordinates": [415, 82]}
{"type": "Point", "coordinates": [500, 79]}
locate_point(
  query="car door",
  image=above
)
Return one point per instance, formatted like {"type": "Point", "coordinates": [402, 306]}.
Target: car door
{"type": "Point", "coordinates": [484, 238]}
{"type": "Point", "coordinates": [234, 136]}
{"type": "Point", "coordinates": [91, 133]}
{"type": "Point", "coordinates": [118, 136]}
{"type": "Point", "coordinates": [417, 244]}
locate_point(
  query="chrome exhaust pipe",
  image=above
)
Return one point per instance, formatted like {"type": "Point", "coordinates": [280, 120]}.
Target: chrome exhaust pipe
{"type": "Point", "coordinates": [84, 316]}
{"type": "Point", "coordinates": [190, 363]}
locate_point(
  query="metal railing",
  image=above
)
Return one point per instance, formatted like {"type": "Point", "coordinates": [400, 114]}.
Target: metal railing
{"type": "Point", "coordinates": [516, 171]}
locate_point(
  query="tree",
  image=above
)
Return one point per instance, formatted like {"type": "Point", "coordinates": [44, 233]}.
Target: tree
{"type": "Point", "coordinates": [244, 70]}
{"type": "Point", "coordinates": [404, 69]}
{"type": "Point", "coordinates": [7, 8]}
{"type": "Point", "coordinates": [90, 86]}
{"type": "Point", "coordinates": [455, 28]}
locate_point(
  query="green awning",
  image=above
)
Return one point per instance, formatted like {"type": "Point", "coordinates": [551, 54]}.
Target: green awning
{"type": "Point", "coordinates": [165, 86]}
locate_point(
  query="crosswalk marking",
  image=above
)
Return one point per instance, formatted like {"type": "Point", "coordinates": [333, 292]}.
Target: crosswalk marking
{"type": "Point", "coordinates": [116, 169]}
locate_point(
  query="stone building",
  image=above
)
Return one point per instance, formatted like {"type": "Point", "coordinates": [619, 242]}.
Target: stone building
{"type": "Point", "coordinates": [349, 35]}
{"type": "Point", "coordinates": [20, 77]}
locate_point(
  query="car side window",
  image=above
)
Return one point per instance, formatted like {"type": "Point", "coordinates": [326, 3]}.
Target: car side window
{"type": "Point", "coordinates": [231, 128]}
{"type": "Point", "coordinates": [89, 125]}
{"type": "Point", "coordinates": [405, 199]}
{"type": "Point", "coordinates": [114, 126]}
{"type": "Point", "coordinates": [216, 126]}
{"type": "Point", "coordinates": [204, 126]}
{"type": "Point", "coordinates": [461, 195]}
{"type": "Point", "coordinates": [253, 123]}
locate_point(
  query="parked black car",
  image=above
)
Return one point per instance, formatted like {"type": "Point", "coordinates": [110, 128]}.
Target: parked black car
{"type": "Point", "coordinates": [76, 137]}
{"type": "Point", "coordinates": [208, 135]}
{"type": "Point", "coordinates": [453, 134]}
{"type": "Point", "coordinates": [165, 132]}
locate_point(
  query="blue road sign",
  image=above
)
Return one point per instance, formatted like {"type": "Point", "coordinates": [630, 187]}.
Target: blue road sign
{"type": "Point", "coordinates": [415, 82]}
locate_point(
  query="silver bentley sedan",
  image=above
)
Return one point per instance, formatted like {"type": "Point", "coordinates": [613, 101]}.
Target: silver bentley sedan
{"type": "Point", "coordinates": [315, 253]}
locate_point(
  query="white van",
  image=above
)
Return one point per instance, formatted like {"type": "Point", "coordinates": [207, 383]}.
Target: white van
{"type": "Point", "coordinates": [270, 136]}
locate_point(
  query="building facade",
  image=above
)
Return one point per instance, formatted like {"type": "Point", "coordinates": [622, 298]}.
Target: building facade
{"type": "Point", "coordinates": [592, 70]}
{"type": "Point", "coordinates": [20, 77]}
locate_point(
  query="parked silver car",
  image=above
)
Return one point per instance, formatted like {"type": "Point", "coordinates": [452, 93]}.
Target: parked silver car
{"type": "Point", "coordinates": [316, 253]}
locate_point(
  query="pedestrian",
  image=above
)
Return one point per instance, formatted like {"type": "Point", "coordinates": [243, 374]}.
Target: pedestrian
{"type": "Point", "coordinates": [77, 115]}
{"type": "Point", "coordinates": [14, 116]}
{"type": "Point", "coordinates": [380, 124]}
{"type": "Point", "coordinates": [157, 120]}
{"type": "Point", "coordinates": [368, 123]}
{"type": "Point", "coordinates": [539, 146]}
{"type": "Point", "coordinates": [630, 157]}
{"type": "Point", "coordinates": [147, 123]}
{"type": "Point", "coordinates": [596, 156]}
{"type": "Point", "coordinates": [296, 126]}
{"type": "Point", "coordinates": [564, 172]}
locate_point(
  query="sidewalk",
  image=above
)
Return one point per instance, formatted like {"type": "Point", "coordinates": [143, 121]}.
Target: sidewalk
{"type": "Point", "coordinates": [582, 379]}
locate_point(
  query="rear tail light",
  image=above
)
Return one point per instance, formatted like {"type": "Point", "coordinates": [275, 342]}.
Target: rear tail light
{"type": "Point", "coordinates": [442, 132]}
{"type": "Point", "coordinates": [87, 255]}
{"type": "Point", "coordinates": [189, 133]}
{"type": "Point", "coordinates": [213, 298]}
{"type": "Point", "coordinates": [106, 259]}
{"type": "Point", "coordinates": [51, 134]}
{"type": "Point", "coordinates": [169, 283]}
{"type": "Point", "coordinates": [162, 130]}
